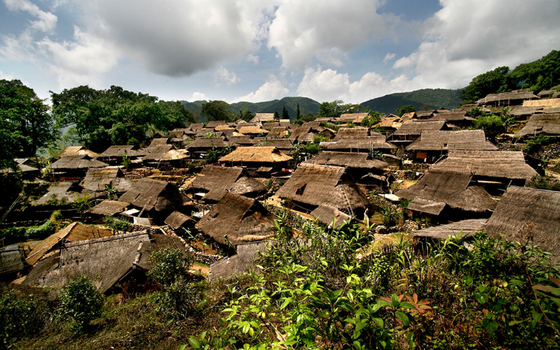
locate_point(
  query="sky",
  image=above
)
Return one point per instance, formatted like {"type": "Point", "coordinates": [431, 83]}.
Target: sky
{"type": "Point", "coordinates": [260, 50]}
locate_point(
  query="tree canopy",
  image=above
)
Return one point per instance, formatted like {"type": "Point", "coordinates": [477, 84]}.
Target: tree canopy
{"type": "Point", "coordinates": [405, 109]}
{"type": "Point", "coordinates": [336, 108]}
{"type": "Point", "coordinates": [25, 124]}
{"type": "Point", "coordinates": [115, 116]}
{"type": "Point", "coordinates": [216, 110]}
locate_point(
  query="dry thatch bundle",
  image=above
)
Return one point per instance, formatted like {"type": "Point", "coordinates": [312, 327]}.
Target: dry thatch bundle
{"type": "Point", "coordinates": [151, 194]}
{"type": "Point", "coordinates": [529, 215]}
{"type": "Point", "coordinates": [347, 159]}
{"type": "Point", "coordinates": [73, 233]}
{"type": "Point", "coordinates": [237, 219]}
{"type": "Point", "coordinates": [417, 127]}
{"type": "Point", "coordinates": [541, 124]}
{"type": "Point", "coordinates": [445, 140]}
{"type": "Point", "coordinates": [216, 180]}
{"type": "Point", "coordinates": [256, 155]}
{"type": "Point", "coordinates": [492, 164]}
{"type": "Point", "coordinates": [450, 188]}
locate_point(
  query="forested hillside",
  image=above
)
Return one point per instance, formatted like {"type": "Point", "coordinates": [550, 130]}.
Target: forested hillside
{"type": "Point", "coordinates": [420, 99]}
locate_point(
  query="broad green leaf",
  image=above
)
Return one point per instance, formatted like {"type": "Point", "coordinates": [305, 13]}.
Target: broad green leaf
{"type": "Point", "coordinates": [403, 317]}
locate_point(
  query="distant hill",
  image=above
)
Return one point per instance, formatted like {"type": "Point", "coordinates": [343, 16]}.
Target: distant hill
{"type": "Point", "coordinates": [419, 99]}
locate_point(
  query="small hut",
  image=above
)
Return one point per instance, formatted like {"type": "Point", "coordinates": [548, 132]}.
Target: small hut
{"type": "Point", "coordinates": [548, 124]}
{"type": "Point", "coordinates": [213, 182]}
{"type": "Point", "coordinates": [74, 166]}
{"type": "Point", "coordinates": [153, 197]}
{"type": "Point", "coordinates": [98, 179]}
{"type": "Point", "coordinates": [256, 157]}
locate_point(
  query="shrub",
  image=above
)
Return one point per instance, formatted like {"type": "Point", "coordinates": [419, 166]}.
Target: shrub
{"type": "Point", "coordinates": [311, 148]}
{"type": "Point", "coordinates": [169, 265]}
{"type": "Point", "coordinates": [118, 225]}
{"type": "Point", "coordinates": [534, 144]}
{"type": "Point", "coordinates": [46, 229]}
{"type": "Point", "coordinates": [13, 234]}
{"type": "Point", "coordinates": [18, 317]}
{"type": "Point", "coordinates": [81, 302]}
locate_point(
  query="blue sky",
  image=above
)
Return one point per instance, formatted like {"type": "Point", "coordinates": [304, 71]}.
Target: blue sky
{"type": "Point", "coordinates": [258, 50]}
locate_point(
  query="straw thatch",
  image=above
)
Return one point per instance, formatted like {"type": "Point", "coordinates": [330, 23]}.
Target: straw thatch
{"type": "Point", "coordinates": [97, 179]}
{"type": "Point", "coordinates": [73, 233]}
{"type": "Point", "coordinates": [541, 124]}
{"type": "Point", "coordinates": [237, 219]}
{"type": "Point", "coordinates": [507, 98]}
{"type": "Point", "coordinates": [118, 151]}
{"type": "Point", "coordinates": [417, 127]}
{"type": "Point", "coordinates": [424, 114]}
{"type": "Point", "coordinates": [359, 143]}
{"type": "Point", "coordinates": [256, 155]}
{"type": "Point", "coordinates": [452, 116]}
{"type": "Point", "coordinates": [279, 131]}
{"type": "Point", "coordinates": [262, 117]}
{"type": "Point", "coordinates": [252, 130]}
{"type": "Point", "coordinates": [445, 140]}
{"type": "Point", "coordinates": [493, 164]}
{"type": "Point", "coordinates": [214, 123]}
{"type": "Point", "coordinates": [390, 121]}
{"type": "Point", "coordinates": [351, 133]}
{"type": "Point", "coordinates": [77, 151]}
{"type": "Point", "coordinates": [549, 103]}
{"type": "Point", "coordinates": [151, 194]}
{"type": "Point", "coordinates": [351, 117]}
{"type": "Point", "coordinates": [529, 215]}
{"type": "Point", "coordinates": [347, 159]}
{"type": "Point", "coordinates": [319, 184]}
{"type": "Point", "coordinates": [76, 162]}
{"type": "Point", "coordinates": [327, 215]}
{"type": "Point", "coordinates": [298, 134]}
{"type": "Point", "coordinates": [205, 143]}
{"type": "Point", "coordinates": [247, 186]}
{"type": "Point", "coordinates": [463, 228]}
{"type": "Point", "coordinates": [10, 260]}
{"type": "Point", "coordinates": [178, 219]}
{"type": "Point", "coordinates": [109, 208]}
{"type": "Point", "coordinates": [61, 191]}
{"type": "Point", "coordinates": [196, 126]}
{"type": "Point", "coordinates": [281, 144]}
{"type": "Point", "coordinates": [106, 261]}
{"type": "Point", "coordinates": [216, 180]}
{"type": "Point", "coordinates": [451, 188]}
{"type": "Point", "coordinates": [521, 111]}
{"type": "Point", "coordinates": [158, 141]}
{"type": "Point", "coordinates": [241, 140]}
{"type": "Point", "coordinates": [239, 263]}
{"type": "Point", "coordinates": [426, 206]}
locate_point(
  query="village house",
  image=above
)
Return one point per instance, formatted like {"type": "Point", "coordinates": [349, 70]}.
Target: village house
{"type": "Point", "coordinates": [409, 132]}
{"type": "Point", "coordinates": [213, 182]}
{"type": "Point", "coordinates": [109, 179]}
{"type": "Point", "coordinates": [256, 157]}
{"type": "Point", "coordinates": [359, 144]}
{"type": "Point", "coordinates": [114, 155]}
{"type": "Point", "coordinates": [59, 193]}
{"type": "Point", "coordinates": [75, 166]}
{"type": "Point", "coordinates": [453, 119]}
{"type": "Point", "coordinates": [262, 118]}
{"type": "Point", "coordinates": [505, 99]}
{"type": "Point", "coordinates": [199, 148]}
{"type": "Point", "coordinates": [548, 124]}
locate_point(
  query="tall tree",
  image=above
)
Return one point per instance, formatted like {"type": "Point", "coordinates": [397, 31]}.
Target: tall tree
{"type": "Point", "coordinates": [217, 110]}
{"type": "Point", "coordinates": [298, 112]}
{"type": "Point", "coordinates": [285, 114]}
{"type": "Point", "coordinates": [488, 83]}
{"type": "Point", "coordinates": [276, 115]}
{"type": "Point", "coordinates": [405, 109]}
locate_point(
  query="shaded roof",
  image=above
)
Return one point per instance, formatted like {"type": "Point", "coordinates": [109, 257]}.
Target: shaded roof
{"type": "Point", "coordinates": [299, 133]}
{"type": "Point", "coordinates": [207, 143]}
{"type": "Point", "coordinates": [217, 180]}
{"type": "Point", "coordinates": [524, 212]}
{"type": "Point", "coordinates": [443, 140]}
{"type": "Point", "coordinates": [242, 140]}
{"type": "Point", "coordinates": [246, 185]}
{"type": "Point", "coordinates": [448, 187]}
{"type": "Point", "coordinates": [59, 191]}
{"type": "Point", "coordinates": [451, 116]}
{"type": "Point", "coordinates": [152, 194]}
{"type": "Point", "coordinates": [256, 155]}
{"type": "Point", "coordinates": [76, 162]}
{"type": "Point", "coordinates": [236, 219]}
{"type": "Point", "coordinates": [73, 232]}
{"type": "Point", "coordinates": [281, 144]}
{"type": "Point", "coordinates": [417, 127]}
{"type": "Point", "coordinates": [327, 215]}
{"type": "Point", "coordinates": [77, 150]}
{"type": "Point", "coordinates": [177, 219]}
{"type": "Point", "coordinates": [360, 143]}
{"type": "Point", "coordinates": [497, 164]}
{"type": "Point", "coordinates": [347, 159]}
{"type": "Point", "coordinates": [119, 151]}
{"type": "Point", "coordinates": [108, 207]}
{"type": "Point", "coordinates": [240, 262]}
{"type": "Point", "coordinates": [541, 124]}
{"type": "Point", "coordinates": [97, 178]}
{"type": "Point", "coordinates": [351, 133]}
{"type": "Point", "coordinates": [463, 228]}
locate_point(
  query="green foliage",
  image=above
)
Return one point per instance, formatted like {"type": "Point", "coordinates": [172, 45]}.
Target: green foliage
{"type": "Point", "coordinates": [167, 266]}
{"type": "Point", "coordinates": [117, 224]}
{"type": "Point", "coordinates": [405, 109]}
{"type": "Point", "coordinates": [317, 139]}
{"type": "Point", "coordinates": [487, 83]}
{"type": "Point", "coordinates": [18, 318]}
{"type": "Point", "coordinates": [45, 230]}
{"type": "Point", "coordinates": [336, 108]}
{"type": "Point", "coordinates": [311, 148]}
{"type": "Point", "coordinates": [80, 302]}
{"type": "Point", "coordinates": [493, 125]}
{"type": "Point", "coordinates": [372, 119]}
{"type": "Point", "coordinates": [534, 144]}
{"type": "Point", "coordinates": [423, 99]}
{"type": "Point", "coordinates": [216, 110]}
{"type": "Point", "coordinates": [544, 182]}
{"type": "Point", "coordinates": [82, 203]}
{"type": "Point", "coordinates": [285, 114]}
{"type": "Point", "coordinates": [245, 114]}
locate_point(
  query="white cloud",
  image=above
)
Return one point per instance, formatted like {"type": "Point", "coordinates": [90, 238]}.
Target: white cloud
{"type": "Point", "coordinates": [326, 30]}
{"type": "Point", "coordinates": [45, 22]}
{"type": "Point", "coordinates": [272, 89]}
{"type": "Point", "coordinates": [389, 57]}
{"type": "Point", "coordinates": [254, 59]}
{"type": "Point", "coordinates": [199, 96]}
{"type": "Point", "coordinates": [224, 77]}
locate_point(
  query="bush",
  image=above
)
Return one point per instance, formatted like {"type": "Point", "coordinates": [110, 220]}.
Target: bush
{"type": "Point", "coordinates": [118, 225]}
{"type": "Point", "coordinates": [18, 317]}
{"type": "Point", "coordinates": [46, 229]}
{"type": "Point", "coordinates": [167, 266]}
{"type": "Point", "coordinates": [81, 302]}
{"type": "Point", "coordinates": [311, 148]}
{"type": "Point", "coordinates": [534, 144]}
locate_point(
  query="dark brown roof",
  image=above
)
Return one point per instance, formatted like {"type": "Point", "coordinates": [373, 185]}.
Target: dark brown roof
{"type": "Point", "coordinates": [207, 143]}
{"type": "Point", "coordinates": [217, 180]}
{"type": "Point", "coordinates": [237, 219]}
{"type": "Point", "coordinates": [76, 162]}
{"type": "Point", "coordinates": [451, 116]}
{"type": "Point", "coordinates": [153, 194]}
{"type": "Point", "coordinates": [524, 213]}
{"type": "Point", "coordinates": [214, 123]}
{"type": "Point", "coordinates": [541, 124]}
{"type": "Point", "coordinates": [109, 208]}
{"type": "Point", "coordinates": [178, 219]}
{"type": "Point", "coordinates": [97, 178]}
{"type": "Point", "coordinates": [247, 186]}
{"type": "Point", "coordinates": [444, 140]}
{"type": "Point", "coordinates": [298, 134]}
{"type": "Point", "coordinates": [495, 164]}
{"type": "Point", "coordinates": [347, 159]}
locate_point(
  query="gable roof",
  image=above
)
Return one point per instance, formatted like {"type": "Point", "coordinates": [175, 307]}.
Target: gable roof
{"type": "Point", "coordinates": [236, 219]}
{"type": "Point", "coordinates": [77, 151]}
{"type": "Point", "coordinates": [262, 117]}
{"type": "Point", "coordinates": [246, 185]}
{"type": "Point", "coordinates": [119, 151]}
{"type": "Point", "coordinates": [256, 155]}
{"type": "Point", "coordinates": [496, 164]}
{"type": "Point", "coordinates": [351, 133]}
{"type": "Point", "coordinates": [217, 180]}
{"type": "Point", "coordinates": [443, 140]}
{"type": "Point", "coordinates": [347, 159]}
{"type": "Point", "coordinates": [207, 143]}
{"type": "Point", "coordinates": [541, 124]}
{"type": "Point", "coordinates": [59, 191]}
{"type": "Point", "coordinates": [76, 162]}
{"type": "Point", "coordinates": [177, 219]}
{"type": "Point", "coordinates": [417, 127]}
{"type": "Point", "coordinates": [152, 194]}
{"type": "Point", "coordinates": [360, 143]}
{"type": "Point", "coordinates": [108, 207]}
{"type": "Point", "coordinates": [524, 212]}
{"type": "Point", "coordinates": [97, 178]}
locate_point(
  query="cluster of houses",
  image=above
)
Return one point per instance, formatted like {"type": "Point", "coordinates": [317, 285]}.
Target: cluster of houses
{"type": "Point", "coordinates": [224, 181]}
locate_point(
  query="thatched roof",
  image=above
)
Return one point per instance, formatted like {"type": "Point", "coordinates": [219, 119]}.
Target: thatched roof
{"type": "Point", "coordinates": [451, 188]}
{"type": "Point", "coordinates": [97, 178]}
{"type": "Point", "coordinates": [494, 164]}
{"type": "Point", "coordinates": [281, 144]}
{"type": "Point", "coordinates": [104, 260]}
{"type": "Point", "coordinates": [73, 233]}
{"type": "Point", "coordinates": [239, 263]}
{"type": "Point", "coordinates": [522, 111]}
{"type": "Point", "coordinates": [76, 162]}
{"type": "Point", "coordinates": [347, 159]}
{"type": "Point", "coordinates": [178, 219]}
{"type": "Point", "coordinates": [319, 184]}
{"type": "Point", "coordinates": [247, 186]}
{"type": "Point", "coordinates": [153, 194]}
{"type": "Point", "coordinates": [217, 180]}
{"type": "Point", "coordinates": [279, 131]}
{"type": "Point", "coordinates": [541, 124]}
{"type": "Point", "coordinates": [207, 143]}
{"type": "Point", "coordinates": [426, 206]}
{"type": "Point", "coordinates": [351, 133]}
{"type": "Point", "coordinates": [452, 116]}
{"type": "Point", "coordinates": [256, 155]}
{"type": "Point", "coordinates": [360, 143]}
{"type": "Point", "coordinates": [417, 127]}
{"type": "Point", "coordinates": [351, 117]}
{"type": "Point", "coordinates": [10, 260]}
{"type": "Point", "coordinates": [424, 114]}
{"type": "Point", "coordinates": [119, 151]}
{"type": "Point", "coordinates": [327, 215]}
{"type": "Point", "coordinates": [298, 134]}
{"type": "Point", "coordinates": [463, 228]}
{"type": "Point", "coordinates": [214, 123]}
{"type": "Point", "coordinates": [390, 121]}
{"type": "Point", "coordinates": [108, 207]}
{"type": "Point", "coordinates": [507, 97]}
{"type": "Point", "coordinates": [60, 191]}
{"type": "Point", "coordinates": [241, 140]}
{"type": "Point", "coordinates": [524, 213]}
{"type": "Point", "coordinates": [253, 130]}
{"type": "Point", "coordinates": [262, 117]}
{"type": "Point", "coordinates": [158, 141]}
{"type": "Point", "coordinates": [196, 126]}
{"type": "Point", "coordinates": [77, 151]}
{"type": "Point", "coordinates": [237, 219]}
{"type": "Point", "coordinates": [445, 140]}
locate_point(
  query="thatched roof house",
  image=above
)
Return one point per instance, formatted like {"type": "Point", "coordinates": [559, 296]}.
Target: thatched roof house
{"type": "Point", "coordinates": [359, 132]}
{"type": "Point", "coordinates": [507, 98]}
{"type": "Point", "coordinates": [114, 154]}
{"type": "Point", "coordinates": [109, 208]}
{"type": "Point", "coordinates": [359, 144]}
{"type": "Point", "coordinates": [237, 219]}
{"type": "Point", "coordinates": [177, 219]}
{"type": "Point", "coordinates": [281, 144]}
{"type": "Point", "coordinates": [206, 143]}
{"type": "Point", "coordinates": [215, 180]}
{"type": "Point", "coordinates": [252, 130]}
{"type": "Point", "coordinates": [75, 165]}
{"type": "Point", "coordinates": [248, 187]}
{"type": "Point", "coordinates": [214, 123]}
{"type": "Point", "coordinates": [149, 194]}
{"type": "Point", "coordinates": [455, 117]}
{"type": "Point", "coordinates": [438, 189]}
{"type": "Point", "coordinates": [355, 118]}
{"type": "Point", "coordinates": [262, 117]}
{"type": "Point", "coordinates": [239, 263]}
{"type": "Point", "coordinates": [463, 228]}
{"type": "Point", "coordinates": [329, 215]}
{"type": "Point", "coordinates": [72, 233]}
{"type": "Point", "coordinates": [488, 164]}
{"type": "Point", "coordinates": [315, 185]}
{"type": "Point", "coordinates": [445, 140]}
{"type": "Point", "coordinates": [541, 124]}
{"type": "Point", "coordinates": [302, 134]}
{"type": "Point", "coordinates": [97, 179]}
{"type": "Point", "coordinates": [256, 155]}
{"type": "Point", "coordinates": [60, 192]}
{"type": "Point", "coordinates": [417, 127]}
{"type": "Point", "coordinates": [529, 215]}
{"type": "Point", "coordinates": [77, 151]}
{"type": "Point", "coordinates": [347, 159]}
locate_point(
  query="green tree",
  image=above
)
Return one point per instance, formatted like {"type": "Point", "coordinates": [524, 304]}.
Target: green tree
{"type": "Point", "coordinates": [216, 110]}
{"type": "Point", "coordinates": [285, 114]}
{"type": "Point", "coordinates": [541, 74]}
{"type": "Point", "coordinates": [493, 125]}
{"type": "Point", "coordinates": [245, 114]}
{"type": "Point", "coordinates": [276, 115]}
{"type": "Point", "coordinates": [298, 112]}
{"type": "Point", "coordinates": [405, 109]}
{"type": "Point", "coordinates": [488, 83]}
